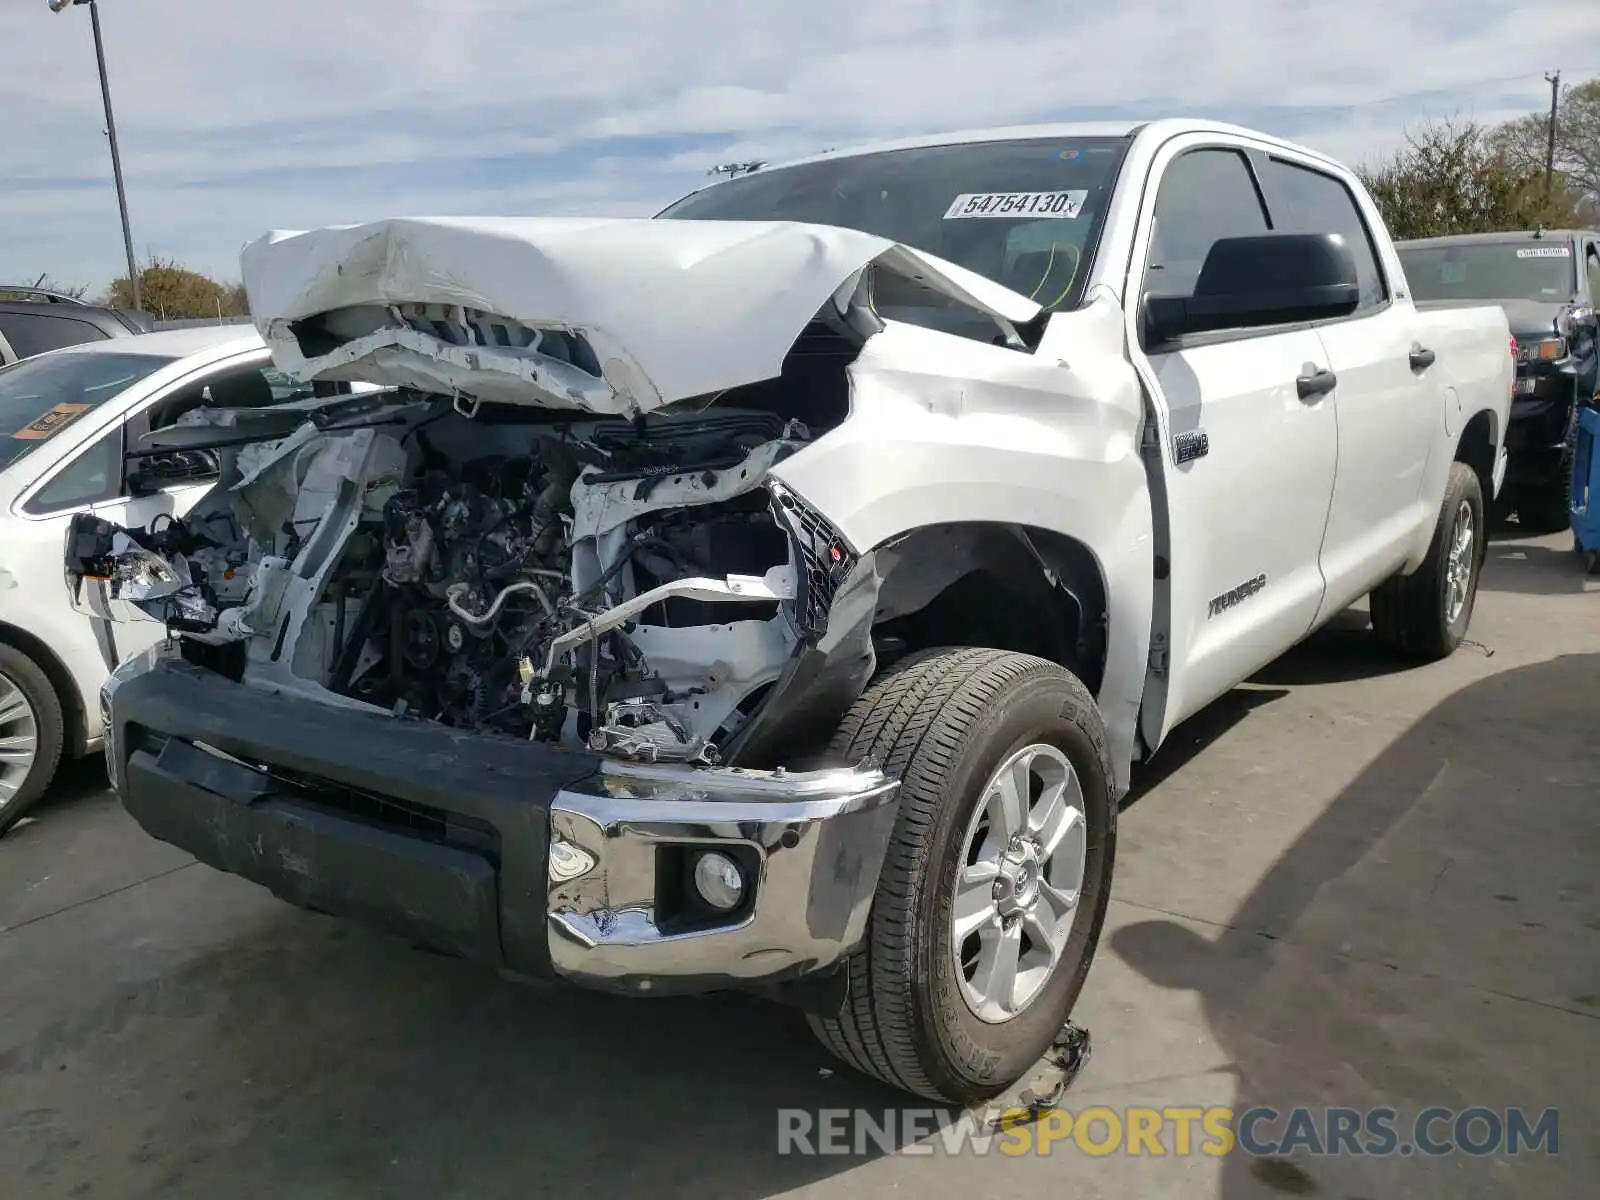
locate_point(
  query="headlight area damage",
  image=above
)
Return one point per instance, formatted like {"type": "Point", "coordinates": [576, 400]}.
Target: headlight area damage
{"type": "Point", "coordinates": [558, 530]}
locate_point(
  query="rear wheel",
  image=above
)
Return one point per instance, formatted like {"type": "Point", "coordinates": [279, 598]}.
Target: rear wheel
{"type": "Point", "coordinates": [1426, 614]}
{"type": "Point", "coordinates": [31, 734]}
{"type": "Point", "coordinates": [994, 888]}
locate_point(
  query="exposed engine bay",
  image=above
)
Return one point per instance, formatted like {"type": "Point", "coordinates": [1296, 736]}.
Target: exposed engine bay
{"type": "Point", "coordinates": [633, 585]}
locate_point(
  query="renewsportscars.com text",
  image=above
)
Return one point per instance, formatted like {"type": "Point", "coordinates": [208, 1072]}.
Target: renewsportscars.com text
{"type": "Point", "coordinates": [1172, 1131]}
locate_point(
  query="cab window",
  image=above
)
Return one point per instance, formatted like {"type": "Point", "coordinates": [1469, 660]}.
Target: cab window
{"type": "Point", "coordinates": [1205, 196]}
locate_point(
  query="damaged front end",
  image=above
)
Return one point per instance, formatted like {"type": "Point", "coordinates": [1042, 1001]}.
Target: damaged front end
{"type": "Point", "coordinates": [531, 657]}
{"type": "Point", "coordinates": [632, 587]}
{"type": "Point", "coordinates": [563, 531]}
{"type": "Point", "coordinates": [485, 681]}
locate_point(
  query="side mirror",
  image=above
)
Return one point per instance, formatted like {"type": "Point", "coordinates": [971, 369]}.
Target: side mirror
{"type": "Point", "coordinates": [1252, 282]}
{"type": "Point", "coordinates": [150, 473]}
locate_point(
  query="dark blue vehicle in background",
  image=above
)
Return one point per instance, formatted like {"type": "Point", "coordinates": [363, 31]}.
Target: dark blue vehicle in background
{"type": "Point", "coordinates": [1548, 282]}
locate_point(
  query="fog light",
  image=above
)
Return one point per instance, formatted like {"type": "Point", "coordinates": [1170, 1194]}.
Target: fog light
{"type": "Point", "coordinates": [718, 880]}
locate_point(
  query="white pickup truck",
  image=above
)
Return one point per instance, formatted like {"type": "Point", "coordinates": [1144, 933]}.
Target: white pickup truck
{"type": "Point", "coordinates": [774, 594]}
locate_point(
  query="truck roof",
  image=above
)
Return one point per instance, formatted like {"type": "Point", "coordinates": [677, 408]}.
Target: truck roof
{"type": "Point", "coordinates": [1159, 130]}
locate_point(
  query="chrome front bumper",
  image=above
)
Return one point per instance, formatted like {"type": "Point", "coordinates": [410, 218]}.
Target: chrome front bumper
{"type": "Point", "coordinates": [813, 844]}
{"type": "Point", "coordinates": [541, 861]}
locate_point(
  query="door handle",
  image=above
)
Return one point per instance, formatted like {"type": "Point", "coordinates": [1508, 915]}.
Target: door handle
{"type": "Point", "coordinates": [1319, 384]}
{"type": "Point", "coordinates": [1422, 359]}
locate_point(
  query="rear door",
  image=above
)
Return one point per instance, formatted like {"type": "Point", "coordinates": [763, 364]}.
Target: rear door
{"type": "Point", "coordinates": [1388, 400]}
{"type": "Point", "coordinates": [1246, 464]}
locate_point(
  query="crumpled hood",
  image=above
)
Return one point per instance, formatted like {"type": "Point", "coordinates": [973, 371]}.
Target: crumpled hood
{"type": "Point", "coordinates": [1527, 318]}
{"type": "Point", "coordinates": [608, 316]}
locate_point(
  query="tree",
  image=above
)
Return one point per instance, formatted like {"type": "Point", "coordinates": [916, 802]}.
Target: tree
{"type": "Point", "coordinates": [174, 293]}
{"type": "Point", "coordinates": [76, 291]}
{"type": "Point", "coordinates": [1524, 143]}
{"type": "Point", "coordinates": [1450, 178]}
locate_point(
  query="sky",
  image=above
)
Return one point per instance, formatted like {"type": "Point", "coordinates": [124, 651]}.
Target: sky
{"type": "Point", "coordinates": [239, 116]}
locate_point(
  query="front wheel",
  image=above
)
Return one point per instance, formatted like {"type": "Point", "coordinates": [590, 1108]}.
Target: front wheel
{"type": "Point", "coordinates": [1426, 614]}
{"type": "Point", "coordinates": [31, 734]}
{"type": "Point", "coordinates": [995, 885]}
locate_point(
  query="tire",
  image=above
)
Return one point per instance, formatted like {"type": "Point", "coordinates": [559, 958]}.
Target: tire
{"type": "Point", "coordinates": [943, 721]}
{"type": "Point", "coordinates": [22, 683]}
{"type": "Point", "coordinates": [1547, 507]}
{"type": "Point", "coordinates": [1412, 613]}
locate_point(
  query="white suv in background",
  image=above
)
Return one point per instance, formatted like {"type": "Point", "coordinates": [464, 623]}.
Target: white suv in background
{"type": "Point", "coordinates": [68, 420]}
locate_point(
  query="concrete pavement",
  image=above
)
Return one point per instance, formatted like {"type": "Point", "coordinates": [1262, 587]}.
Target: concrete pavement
{"type": "Point", "coordinates": [1345, 884]}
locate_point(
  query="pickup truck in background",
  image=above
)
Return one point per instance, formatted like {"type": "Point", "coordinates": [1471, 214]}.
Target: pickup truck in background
{"type": "Point", "coordinates": [34, 320]}
{"type": "Point", "coordinates": [1548, 282]}
{"type": "Point", "coordinates": [775, 594]}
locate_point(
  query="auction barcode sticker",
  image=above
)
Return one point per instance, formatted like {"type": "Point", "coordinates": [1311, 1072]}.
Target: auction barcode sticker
{"type": "Point", "coordinates": [1545, 252]}
{"type": "Point", "coordinates": [1064, 205]}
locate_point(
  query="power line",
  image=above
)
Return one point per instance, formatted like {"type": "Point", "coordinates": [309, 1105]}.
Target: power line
{"type": "Point", "coordinates": [1455, 90]}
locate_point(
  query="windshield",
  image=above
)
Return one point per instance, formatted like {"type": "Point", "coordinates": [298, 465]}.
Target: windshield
{"type": "Point", "coordinates": [39, 397]}
{"type": "Point", "coordinates": [1490, 271]}
{"type": "Point", "coordinates": [1024, 213]}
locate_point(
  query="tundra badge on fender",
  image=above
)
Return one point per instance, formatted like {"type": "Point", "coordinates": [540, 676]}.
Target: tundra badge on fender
{"type": "Point", "coordinates": [1234, 595]}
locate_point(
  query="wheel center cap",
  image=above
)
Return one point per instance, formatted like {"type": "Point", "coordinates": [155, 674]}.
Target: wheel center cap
{"type": "Point", "coordinates": [1017, 886]}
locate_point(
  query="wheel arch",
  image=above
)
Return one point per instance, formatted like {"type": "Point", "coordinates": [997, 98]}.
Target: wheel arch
{"type": "Point", "coordinates": [61, 679]}
{"type": "Point", "coordinates": [1477, 447]}
{"type": "Point", "coordinates": [1022, 588]}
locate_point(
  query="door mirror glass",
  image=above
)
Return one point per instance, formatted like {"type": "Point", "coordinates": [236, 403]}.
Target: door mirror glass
{"type": "Point", "coordinates": [1261, 280]}
{"type": "Point", "coordinates": [172, 468]}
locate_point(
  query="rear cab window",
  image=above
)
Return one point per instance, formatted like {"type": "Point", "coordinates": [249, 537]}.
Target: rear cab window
{"type": "Point", "coordinates": [40, 397]}
{"type": "Point", "coordinates": [1301, 199]}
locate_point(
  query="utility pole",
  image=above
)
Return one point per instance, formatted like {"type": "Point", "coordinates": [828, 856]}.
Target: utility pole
{"type": "Point", "coordinates": [111, 133]}
{"type": "Point", "coordinates": [1553, 78]}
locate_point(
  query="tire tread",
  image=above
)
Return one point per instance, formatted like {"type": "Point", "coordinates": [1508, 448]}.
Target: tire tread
{"type": "Point", "coordinates": [1405, 609]}
{"type": "Point", "coordinates": [913, 720]}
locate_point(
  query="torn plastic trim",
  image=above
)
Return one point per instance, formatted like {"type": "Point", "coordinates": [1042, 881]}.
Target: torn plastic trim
{"type": "Point", "coordinates": [821, 680]}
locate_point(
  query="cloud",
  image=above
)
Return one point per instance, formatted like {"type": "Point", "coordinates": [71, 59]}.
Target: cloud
{"type": "Point", "coordinates": [255, 114]}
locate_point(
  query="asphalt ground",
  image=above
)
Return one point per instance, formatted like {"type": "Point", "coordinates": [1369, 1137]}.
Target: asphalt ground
{"type": "Point", "coordinates": [1348, 884]}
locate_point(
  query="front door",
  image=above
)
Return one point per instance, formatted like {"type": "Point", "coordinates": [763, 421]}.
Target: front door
{"type": "Point", "coordinates": [1246, 462]}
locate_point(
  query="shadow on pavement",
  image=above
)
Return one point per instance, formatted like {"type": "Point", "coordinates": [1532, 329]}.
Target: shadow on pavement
{"type": "Point", "coordinates": [307, 1057]}
{"type": "Point", "coordinates": [1433, 939]}
{"type": "Point", "coordinates": [1537, 569]}
{"type": "Point", "coordinates": [1341, 651]}
{"type": "Point", "coordinates": [1194, 735]}
{"type": "Point", "coordinates": [77, 782]}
